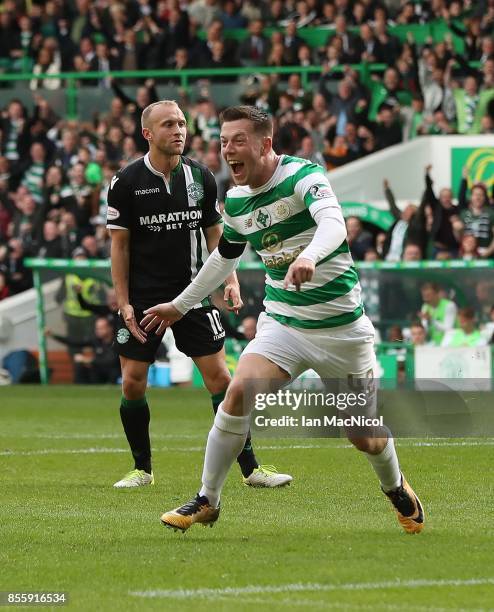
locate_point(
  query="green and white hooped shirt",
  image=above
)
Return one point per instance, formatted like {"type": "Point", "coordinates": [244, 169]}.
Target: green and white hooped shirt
{"type": "Point", "coordinates": [276, 220]}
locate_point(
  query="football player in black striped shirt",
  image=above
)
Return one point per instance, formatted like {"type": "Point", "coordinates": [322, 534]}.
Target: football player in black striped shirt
{"type": "Point", "coordinates": [163, 215]}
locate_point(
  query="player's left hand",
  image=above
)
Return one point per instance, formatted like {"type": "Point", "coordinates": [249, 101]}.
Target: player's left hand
{"type": "Point", "coordinates": [233, 298]}
{"type": "Point", "coordinates": [300, 271]}
{"type": "Point", "coordinates": [160, 317]}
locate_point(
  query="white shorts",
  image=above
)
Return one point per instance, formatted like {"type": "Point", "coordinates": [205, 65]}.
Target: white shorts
{"type": "Point", "coordinates": [334, 353]}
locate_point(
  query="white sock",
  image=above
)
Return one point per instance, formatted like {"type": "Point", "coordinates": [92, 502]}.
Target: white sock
{"type": "Point", "coordinates": [225, 442]}
{"type": "Point", "coordinates": [386, 466]}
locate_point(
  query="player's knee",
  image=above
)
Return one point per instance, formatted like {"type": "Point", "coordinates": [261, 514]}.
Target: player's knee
{"type": "Point", "coordinates": [365, 444]}
{"type": "Point", "coordinates": [133, 387]}
{"type": "Point", "coordinates": [234, 399]}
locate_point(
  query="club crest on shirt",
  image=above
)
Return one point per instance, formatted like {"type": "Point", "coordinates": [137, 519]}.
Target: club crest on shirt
{"type": "Point", "coordinates": [195, 191]}
{"type": "Point", "coordinates": [281, 210]}
{"type": "Point", "coordinates": [262, 218]}
{"type": "Point", "coordinates": [123, 335]}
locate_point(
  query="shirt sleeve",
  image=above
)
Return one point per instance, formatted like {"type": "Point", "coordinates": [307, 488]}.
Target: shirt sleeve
{"type": "Point", "coordinates": [232, 235]}
{"type": "Point", "coordinates": [118, 199]}
{"type": "Point", "coordinates": [449, 318]}
{"type": "Point", "coordinates": [211, 209]}
{"type": "Point", "coordinates": [313, 187]}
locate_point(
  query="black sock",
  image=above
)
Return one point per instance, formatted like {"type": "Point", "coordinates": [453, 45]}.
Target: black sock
{"type": "Point", "coordinates": [135, 420]}
{"type": "Point", "coordinates": [247, 458]}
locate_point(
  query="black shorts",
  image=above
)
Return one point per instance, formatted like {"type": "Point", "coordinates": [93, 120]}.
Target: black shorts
{"type": "Point", "coordinates": [198, 333]}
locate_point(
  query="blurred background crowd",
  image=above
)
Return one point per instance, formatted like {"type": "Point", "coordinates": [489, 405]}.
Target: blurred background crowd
{"type": "Point", "coordinates": [55, 170]}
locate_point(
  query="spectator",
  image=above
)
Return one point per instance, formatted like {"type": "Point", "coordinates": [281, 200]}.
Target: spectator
{"type": "Point", "coordinates": [19, 277]}
{"type": "Point", "coordinates": [46, 65]}
{"type": "Point", "coordinates": [33, 177]}
{"type": "Point", "coordinates": [308, 151]}
{"type": "Point", "coordinates": [438, 314]}
{"type": "Point", "coordinates": [51, 244]}
{"type": "Point", "coordinates": [301, 98]}
{"type": "Point", "coordinates": [342, 105]}
{"type": "Point", "coordinates": [90, 246]}
{"type": "Point", "coordinates": [477, 217]}
{"type": "Point", "coordinates": [412, 252]}
{"type": "Point", "coordinates": [27, 219]}
{"type": "Point", "coordinates": [467, 101]}
{"type": "Point", "coordinates": [467, 333]}
{"type": "Point", "coordinates": [215, 162]}
{"type": "Point", "coordinates": [206, 120]}
{"type": "Point", "coordinates": [144, 96]}
{"type": "Point", "coordinates": [359, 240]}
{"type": "Point", "coordinates": [292, 43]}
{"type": "Point", "coordinates": [14, 133]}
{"type": "Point", "coordinates": [78, 320]}
{"type": "Point", "coordinates": [348, 40]}
{"type": "Point", "coordinates": [469, 248]}
{"type": "Point", "coordinates": [10, 40]}
{"type": "Point", "coordinates": [444, 214]}
{"type": "Point", "coordinates": [82, 192]}
{"type": "Point", "coordinates": [254, 50]}
{"type": "Point", "coordinates": [418, 334]}
{"type": "Point", "coordinates": [204, 12]}
{"type": "Point", "coordinates": [66, 154]}
{"type": "Point", "coordinates": [95, 361]}
{"type": "Point", "coordinates": [388, 130]}
{"type": "Point", "coordinates": [409, 226]}
{"type": "Point", "coordinates": [105, 60]}
{"type": "Point", "coordinates": [69, 233]}
{"type": "Point", "coordinates": [231, 16]}
{"type": "Point", "coordinates": [57, 193]}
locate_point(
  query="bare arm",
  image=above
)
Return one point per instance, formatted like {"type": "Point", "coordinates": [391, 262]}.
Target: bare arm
{"type": "Point", "coordinates": [120, 265]}
{"type": "Point", "coordinates": [120, 276]}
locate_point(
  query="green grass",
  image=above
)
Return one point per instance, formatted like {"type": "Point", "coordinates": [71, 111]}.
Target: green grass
{"type": "Point", "coordinates": [63, 526]}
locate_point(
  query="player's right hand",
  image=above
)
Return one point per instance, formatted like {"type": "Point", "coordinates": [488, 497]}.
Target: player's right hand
{"type": "Point", "coordinates": [127, 314]}
{"type": "Point", "coordinates": [160, 317]}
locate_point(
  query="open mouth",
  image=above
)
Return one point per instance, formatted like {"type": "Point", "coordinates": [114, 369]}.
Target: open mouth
{"type": "Point", "coordinates": [236, 167]}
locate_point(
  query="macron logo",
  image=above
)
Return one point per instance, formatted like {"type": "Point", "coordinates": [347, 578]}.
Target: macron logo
{"type": "Point", "coordinates": [147, 191]}
{"type": "Point", "coordinates": [113, 181]}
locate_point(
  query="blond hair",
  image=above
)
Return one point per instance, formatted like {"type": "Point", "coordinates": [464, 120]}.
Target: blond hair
{"type": "Point", "coordinates": [149, 109]}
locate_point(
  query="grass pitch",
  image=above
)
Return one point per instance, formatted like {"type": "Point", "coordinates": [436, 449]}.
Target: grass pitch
{"type": "Point", "coordinates": [329, 541]}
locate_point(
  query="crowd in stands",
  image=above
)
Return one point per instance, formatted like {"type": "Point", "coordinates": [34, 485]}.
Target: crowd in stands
{"type": "Point", "coordinates": [55, 171]}
{"type": "Point", "coordinates": [441, 322]}
{"type": "Point", "coordinates": [437, 228]}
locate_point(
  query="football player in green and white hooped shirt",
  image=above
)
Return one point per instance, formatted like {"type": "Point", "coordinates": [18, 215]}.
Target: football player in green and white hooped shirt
{"type": "Point", "coordinates": [285, 208]}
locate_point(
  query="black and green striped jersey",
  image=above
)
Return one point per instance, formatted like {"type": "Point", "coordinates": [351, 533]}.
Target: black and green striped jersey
{"type": "Point", "coordinates": [276, 220]}
{"type": "Point", "coordinates": [167, 245]}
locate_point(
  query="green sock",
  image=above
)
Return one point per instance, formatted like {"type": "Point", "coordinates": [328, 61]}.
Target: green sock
{"type": "Point", "coordinates": [135, 420]}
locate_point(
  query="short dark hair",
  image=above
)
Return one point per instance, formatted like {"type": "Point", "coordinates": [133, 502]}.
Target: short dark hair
{"type": "Point", "coordinates": [468, 312]}
{"type": "Point", "coordinates": [430, 285]}
{"type": "Point", "coordinates": [261, 121]}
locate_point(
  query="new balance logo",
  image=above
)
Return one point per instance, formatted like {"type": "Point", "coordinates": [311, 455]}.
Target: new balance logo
{"type": "Point", "coordinates": [147, 191]}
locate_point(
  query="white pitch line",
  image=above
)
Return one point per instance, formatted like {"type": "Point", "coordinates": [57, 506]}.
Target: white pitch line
{"type": "Point", "coordinates": [99, 436]}
{"type": "Point", "coordinates": [195, 449]}
{"type": "Point", "coordinates": [306, 588]}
